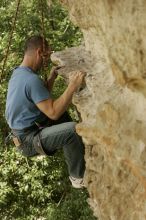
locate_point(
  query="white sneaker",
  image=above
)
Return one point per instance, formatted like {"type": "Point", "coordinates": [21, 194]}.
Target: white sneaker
{"type": "Point", "coordinates": [77, 183]}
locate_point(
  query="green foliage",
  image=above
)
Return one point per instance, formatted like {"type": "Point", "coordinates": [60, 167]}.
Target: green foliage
{"type": "Point", "coordinates": [35, 188]}
{"type": "Point", "coordinates": [28, 184]}
{"type": "Point", "coordinates": [74, 207]}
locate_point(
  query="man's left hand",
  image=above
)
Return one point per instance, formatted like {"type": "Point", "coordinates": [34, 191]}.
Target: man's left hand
{"type": "Point", "coordinates": [54, 71]}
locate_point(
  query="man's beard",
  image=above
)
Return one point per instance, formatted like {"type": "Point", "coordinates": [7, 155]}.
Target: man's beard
{"type": "Point", "coordinates": [43, 65]}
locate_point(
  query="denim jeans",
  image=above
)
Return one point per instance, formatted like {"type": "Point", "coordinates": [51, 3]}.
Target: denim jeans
{"type": "Point", "coordinates": [54, 137]}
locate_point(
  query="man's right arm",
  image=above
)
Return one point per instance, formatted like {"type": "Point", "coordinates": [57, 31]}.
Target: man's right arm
{"type": "Point", "coordinates": [55, 108]}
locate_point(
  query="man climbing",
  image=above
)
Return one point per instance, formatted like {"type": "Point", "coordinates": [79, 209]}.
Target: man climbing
{"type": "Point", "coordinates": [39, 123]}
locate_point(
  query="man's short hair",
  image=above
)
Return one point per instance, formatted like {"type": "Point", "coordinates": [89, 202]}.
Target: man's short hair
{"type": "Point", "coordinates": [35, 42]}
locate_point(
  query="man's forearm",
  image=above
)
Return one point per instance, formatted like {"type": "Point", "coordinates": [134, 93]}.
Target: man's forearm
{"type": "Point", "coordinates": [61, 104]}
{"type": "Point", "coordinates": [52, 77]}
{"type": "Point", "coordinates": [55, 108]}
{"type": "Point", "coordinates": [50, 83]}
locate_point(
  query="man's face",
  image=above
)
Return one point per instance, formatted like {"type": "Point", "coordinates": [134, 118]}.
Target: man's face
{"type": "Point", "coordinates": [43, 59]}
{"type": "Point", "coordinates": [46, 56]}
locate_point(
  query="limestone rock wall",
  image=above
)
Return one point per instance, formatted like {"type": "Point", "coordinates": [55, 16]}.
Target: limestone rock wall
{"type": "Point", "coordinates": [112, 103]}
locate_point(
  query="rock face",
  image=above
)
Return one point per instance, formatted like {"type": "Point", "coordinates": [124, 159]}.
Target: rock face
{"type": "Point", "coordinates": [112, 103]}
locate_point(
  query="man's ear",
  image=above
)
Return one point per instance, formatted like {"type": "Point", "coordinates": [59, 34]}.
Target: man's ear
{"type": "Point", "coordinates": [39, 51]}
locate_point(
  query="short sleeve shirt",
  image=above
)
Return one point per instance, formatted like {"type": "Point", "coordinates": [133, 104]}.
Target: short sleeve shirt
{"type": "Point", "coordinates": [25, 90]}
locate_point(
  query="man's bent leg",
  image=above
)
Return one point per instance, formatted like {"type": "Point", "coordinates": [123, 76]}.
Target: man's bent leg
{"type": "Point", "coordinates": [64, 136]}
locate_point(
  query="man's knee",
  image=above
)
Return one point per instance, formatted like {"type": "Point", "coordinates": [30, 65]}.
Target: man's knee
{"type": "Point", "coordinates": [71, 126]}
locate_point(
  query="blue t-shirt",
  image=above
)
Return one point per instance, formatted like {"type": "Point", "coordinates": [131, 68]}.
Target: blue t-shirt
{"type": "Point", "coordinates": [25, 90]}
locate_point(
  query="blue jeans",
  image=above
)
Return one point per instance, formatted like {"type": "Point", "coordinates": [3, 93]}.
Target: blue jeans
{"type": "Point", "coordinates": [55, 137]}
{"type": "Point", "coordinates": [64, 136]}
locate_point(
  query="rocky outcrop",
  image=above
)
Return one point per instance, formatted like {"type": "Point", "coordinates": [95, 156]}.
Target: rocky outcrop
{"type": "Point", "coordinates": [112, 103]}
